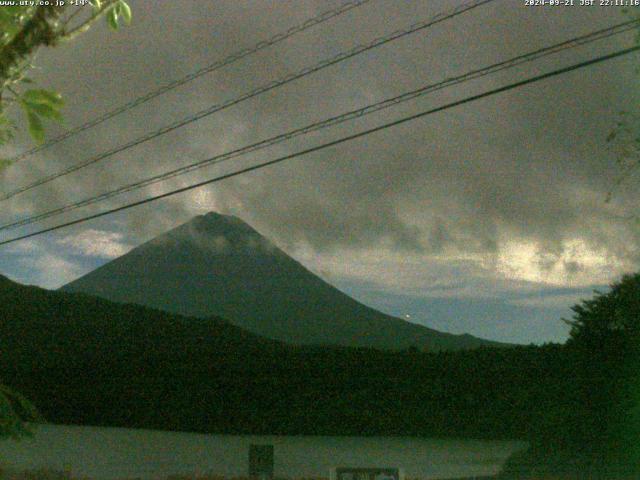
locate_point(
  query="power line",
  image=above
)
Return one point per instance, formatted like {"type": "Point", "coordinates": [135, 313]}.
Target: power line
{"type": "Point", "coordinates": [416, 27]}
{"type": "Point", "coordinates": [234, 57]}
{"type": "Point", "coordinates": [339, 141]}
{"type": "Point", "coordinates": [335, 120]}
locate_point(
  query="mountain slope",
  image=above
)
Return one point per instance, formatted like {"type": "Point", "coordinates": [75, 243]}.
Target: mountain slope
{"type": "Point", "coordinates": [87, 361]}
{"type": "Point", "coordinates": [45, 322]}
{"type": "Point", "coordinates": [219, 265]}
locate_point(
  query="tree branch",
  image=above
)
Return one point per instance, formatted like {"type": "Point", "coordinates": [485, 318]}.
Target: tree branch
{"type": "Point", "coordinates": [84, 26]}
{"type": "Point", "coordinates": [40, 30]}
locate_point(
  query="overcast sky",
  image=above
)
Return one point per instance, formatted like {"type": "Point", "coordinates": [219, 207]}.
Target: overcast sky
{"type": "Point", "coordinates": [489, 218]}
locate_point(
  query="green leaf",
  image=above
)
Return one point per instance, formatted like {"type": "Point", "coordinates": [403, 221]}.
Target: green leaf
{"type": "Point", "coordinates": [47, 97]}
{"type": "Point", "coordinates": [7, 129]}
{"type": "Point", "coordinates": [44, 110]}
{"type": "Point", "coordinates": [7, 412]}
{"type": "Point", "coordinates": [35, 127]}
{"type": "Point", "coordinates": [27, 410]}
{"type": "Point", "coordinates": [4, 163]}
{"type": "Point", "coordinates": [97, 5]}
{"type": "Point", "coordinates": [12, 19]}
{"type": "Point", "coordinates": [6, 135]}
{"type": "Point", "coordinates": [6, 122]}
{"type": "Point", "coordinates": [112, 18]}
{"type": "Point", "coordinates": [15, 411]}
{"type": "Point", "coordinates": [125, 11]}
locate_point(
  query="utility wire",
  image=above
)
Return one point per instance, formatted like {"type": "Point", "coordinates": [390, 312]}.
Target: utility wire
{"type": "Point", "coordinates": [234, 57]}
{"type": "Point", "coordinates": [339, 141]}
{"type": "Point", "coordinates": [416, 27]}
{"type": "Point", "coordinates": [389, 102]}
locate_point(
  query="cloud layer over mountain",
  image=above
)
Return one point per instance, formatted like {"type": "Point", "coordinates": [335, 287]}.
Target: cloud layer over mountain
{"type": "Point", "coordinates": [506, 194]}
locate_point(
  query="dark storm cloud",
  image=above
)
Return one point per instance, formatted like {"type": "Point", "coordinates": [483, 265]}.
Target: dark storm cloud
{"type": "Point", "coordinates": [527, 166]}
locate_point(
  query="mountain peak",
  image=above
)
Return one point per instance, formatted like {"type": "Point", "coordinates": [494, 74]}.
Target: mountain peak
{"type": "Point", "coordinates": [212, 234]}
{"type": "Point", "coordinates": [213, 221]}
{"type": "Point", "coordinates": [218, 217]}
{"type": "Point", "coordinates": [219, 265]}
{"type": "Point", "coordinates": [208, 234]}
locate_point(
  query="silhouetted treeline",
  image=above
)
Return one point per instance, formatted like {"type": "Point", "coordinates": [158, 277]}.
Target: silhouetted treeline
{"type": "Point", "coordinates": [598, 436]}
{"type": "Point", "coordinates": [84, 360]}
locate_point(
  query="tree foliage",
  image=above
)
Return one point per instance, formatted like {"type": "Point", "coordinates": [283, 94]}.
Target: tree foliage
{"type": "Point", "coordinates": [24, 29]}
{"type": "Point", "coordinates": [605, 337]}
{"type": "Point", "coordinates": [84, 360]}
{"type": "Point", "coordinates": [598, 437]}
{"type": "Point", "coordinates": [15, 411]}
